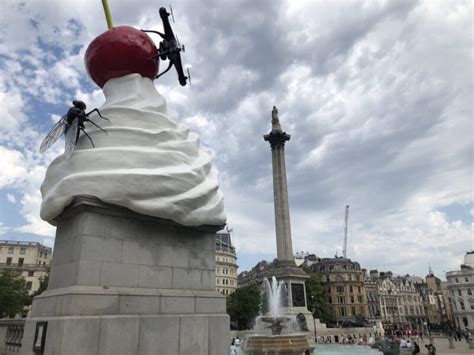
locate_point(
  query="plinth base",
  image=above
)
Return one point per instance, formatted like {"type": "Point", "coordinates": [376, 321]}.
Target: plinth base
{"type": "Point", "coordinates": [124, 283]}
{"type": "Point", "coordinates": [277, 345]}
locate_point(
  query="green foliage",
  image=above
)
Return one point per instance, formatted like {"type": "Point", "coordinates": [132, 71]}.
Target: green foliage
{"type": "Point", "coordinates": [316, 298]}
{"type": "Point", "coordinates": [43, 285]}
{"type": "Point", "coordinates": [243, 306]}
{"type": "Point", "coordinates": [13, 294]}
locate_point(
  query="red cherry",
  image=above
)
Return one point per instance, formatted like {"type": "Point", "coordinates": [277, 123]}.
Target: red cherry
{"type": "Point", "coordinates": [120, 51]}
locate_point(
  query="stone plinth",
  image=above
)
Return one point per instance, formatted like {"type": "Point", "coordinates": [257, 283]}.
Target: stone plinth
{"type": "Point", "coordinates": [125, 283]}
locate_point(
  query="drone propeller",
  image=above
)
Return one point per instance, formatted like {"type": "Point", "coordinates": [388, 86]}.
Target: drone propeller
{"type": "Point", "coordinates": [189, 74]}
{"type": "Point", "coordinates": [171, 12]}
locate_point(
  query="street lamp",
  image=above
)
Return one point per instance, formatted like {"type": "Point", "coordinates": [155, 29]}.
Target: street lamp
{"type": "Point", "coordinates": [314, 319]}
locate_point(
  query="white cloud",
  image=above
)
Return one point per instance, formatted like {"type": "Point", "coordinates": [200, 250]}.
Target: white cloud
{"type": "Point", "coordinates": [11, 198]}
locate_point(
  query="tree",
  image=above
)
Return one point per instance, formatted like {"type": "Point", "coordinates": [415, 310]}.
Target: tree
{"type": "Point", "coordinates": [316, 298]}
{"type": "Point", "coordinates": [44, 280]}
{"type": "Point", "coordinates": [13, 294]}
{"type": "Point", "coordinates": [243, 306]}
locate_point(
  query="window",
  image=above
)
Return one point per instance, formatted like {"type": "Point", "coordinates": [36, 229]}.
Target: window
{"type": "Point", "coordinates": [341, 299]}
{"type": "Point", "coordinates": [351, 289]}
{"type": "Point", "coordinates": [464, 320]}
{"type": "Point", "coordinates": [22, 251]}
{"type": "Point", "coordinates": [339, 278]}
{"type": "Point", "coordinates": [466, 279]}
{"type": "Point", "coordinates": [457, 280]}
{"type": "Point", "coordinates": [359, 298]}
{"type": "Point", "coordinates": [9, 261]}
{"type": "Point", "coordinates": [10, 250]}
{"type": "Point", "coordinates": [353, 311]}
{"type": "Point", "coordinates": [340, 289]}
{"type": "Point", "coordinates": [343, 311]}
{"type": "Point", "coordinates": [459, 293]}
{"type": "Point", "coordinates": [461, 303]}
{"type": "Point", "coordinates": [28, 285]}
{"type": "Point", "coordinates": [357, 277]}
{"type": "Point", "coordinates": [45, 255]}
{"type": "Point", "coordinates": [21, 261]}
{"type": "Point", "coordinates": [329, 299]}
{"type": "Point", "coordinates": [328, 278]}
{"type": "Point", "coordinates": [469, 292]}
{"type": "Point", "coordinates": [352, 299]}
{"type": "Point", "coordinates": [358, 289]}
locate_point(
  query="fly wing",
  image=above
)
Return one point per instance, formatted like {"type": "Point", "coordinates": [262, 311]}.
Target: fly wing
{"type": "Point", "coordinates": [72, 134]}
{"type": "Point", "coordinates": [53, 135]}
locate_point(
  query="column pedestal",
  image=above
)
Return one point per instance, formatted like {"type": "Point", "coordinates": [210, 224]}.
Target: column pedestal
{"type": "Point", "coordinates": [125, 283]}
{"type": "Point", "coordinates": [295, 279]}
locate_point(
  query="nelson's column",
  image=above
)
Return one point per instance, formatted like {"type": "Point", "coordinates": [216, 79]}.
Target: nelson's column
{"type": "Point", "coordinates": [286, 268]}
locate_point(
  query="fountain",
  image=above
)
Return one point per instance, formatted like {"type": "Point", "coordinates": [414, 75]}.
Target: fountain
{"type": "Point", "coordinates": [277, 333]}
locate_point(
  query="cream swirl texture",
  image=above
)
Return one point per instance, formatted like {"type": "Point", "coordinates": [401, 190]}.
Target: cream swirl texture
{"type": "Point", "coordinates": [147, 161]}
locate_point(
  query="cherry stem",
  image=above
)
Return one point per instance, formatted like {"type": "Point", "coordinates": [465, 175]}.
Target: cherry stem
{"type": "Point", "coordinates": [108, 16]}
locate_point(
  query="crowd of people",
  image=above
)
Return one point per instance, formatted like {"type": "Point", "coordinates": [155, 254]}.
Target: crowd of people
{"type": "Point", "coordinates": [348, 339]}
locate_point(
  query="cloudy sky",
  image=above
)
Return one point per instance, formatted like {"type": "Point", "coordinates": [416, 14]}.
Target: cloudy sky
{"type": "Point", "coordinates": [377, 96]}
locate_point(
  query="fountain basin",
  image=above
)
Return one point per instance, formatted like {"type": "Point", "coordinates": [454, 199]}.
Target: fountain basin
{"type": "Point", "coordinates": [294, 344]}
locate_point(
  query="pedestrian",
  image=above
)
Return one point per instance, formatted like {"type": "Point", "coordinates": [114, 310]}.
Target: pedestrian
{"type": "Point", "coordinates": [233, 349]}
{"type": "Point", "coordinates": [431, 349]}
{"type": "Point", "coordinates": [416, 348]}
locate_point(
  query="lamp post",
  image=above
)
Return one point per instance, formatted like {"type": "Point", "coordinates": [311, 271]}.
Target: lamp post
{"type": "Point", "coordinates": [313, 309]}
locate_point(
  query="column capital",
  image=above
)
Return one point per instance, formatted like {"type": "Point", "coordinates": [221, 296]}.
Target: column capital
{"type": "Point", "coordinates": [277, 139]}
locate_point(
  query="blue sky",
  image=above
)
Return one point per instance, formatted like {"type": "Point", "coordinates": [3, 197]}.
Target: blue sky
{"type": "Point", "coordinates": [377, 96]}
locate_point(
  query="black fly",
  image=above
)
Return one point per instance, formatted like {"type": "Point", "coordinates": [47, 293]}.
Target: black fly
{"type": "Point", "coordinates": [71, 124]}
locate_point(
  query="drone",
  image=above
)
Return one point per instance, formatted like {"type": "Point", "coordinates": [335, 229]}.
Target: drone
{"type": "Point", "coordinates": [71, 125]}
{"type": "Point", "coordinates": [170, 48]}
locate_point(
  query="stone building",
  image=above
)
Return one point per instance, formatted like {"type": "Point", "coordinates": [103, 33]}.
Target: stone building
{"type": "Point", "coordinates": [389, 296]}
{"type": "Point", "coordinates": [411, 310]}
{"type": "Point", "coordinates": [226, 264]}
{"type": "Point", "coordinates": [373, 299]}
{"type": "Point", "coordinates": [344, 283]}
{"type": "Point", "coordinates": [441, 293]}
{"type": "Point", "coordinates": [30, 259]}
{"type": "Point", "coordinates": [461, 288]}
{"type": "Point", "coordinates": [257, 274]}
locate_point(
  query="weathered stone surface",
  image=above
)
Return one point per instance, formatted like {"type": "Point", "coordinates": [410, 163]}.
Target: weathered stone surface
{"type": "Point", "coordinates": [139, 304]}
{"type": "Point", "coordinates": [186, 279]}
{"type": "Point", "coordinates": [198, 344]}
{"type": "Point", "coordinates": [219, 333]}
{"type": "Point", "coordinates": [119, 335]}
{"type": "Point", "coordinates": [155, 276]}
{"type": "Point", "coordinates": [123, 283]}
{"type": "Point", "coordinates": [118, 274]}
{"type": "Point", "coordinates": [159, 333]}
{"type": "Point", "coordinates": [177, 305]}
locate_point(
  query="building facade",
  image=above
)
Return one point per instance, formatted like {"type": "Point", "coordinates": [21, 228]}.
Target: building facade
{"type": "Point", "coordinates": [411, 310]}
{"type": "Point", "coordinates": [373, 299]}
{"type": "Point", "coordinates": [30, 259]}
{"type": "Point", "coordinates": [345, 292]}
{"type": "Point", "coordinates": [461, 289]}
{"type": "Point", "coordinates": [226, 264]}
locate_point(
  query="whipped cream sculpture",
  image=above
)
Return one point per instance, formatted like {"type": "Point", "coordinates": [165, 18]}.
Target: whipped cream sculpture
{"type": "Point", "coordinates": [148, 162]}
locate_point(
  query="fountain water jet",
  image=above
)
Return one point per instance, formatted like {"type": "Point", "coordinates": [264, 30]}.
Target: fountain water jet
{"type": "Point", "coordinates": [283, 336]}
